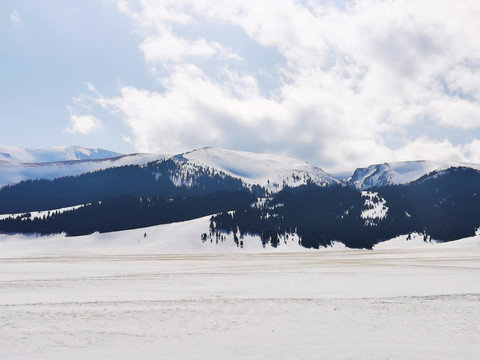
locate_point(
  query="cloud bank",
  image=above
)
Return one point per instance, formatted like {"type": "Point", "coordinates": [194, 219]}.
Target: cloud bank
{"type": "Point", "coordinates": [339, 86]}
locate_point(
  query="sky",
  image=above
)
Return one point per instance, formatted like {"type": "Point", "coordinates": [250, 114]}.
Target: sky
{"type": "Point", "coordinates": [341, 84]}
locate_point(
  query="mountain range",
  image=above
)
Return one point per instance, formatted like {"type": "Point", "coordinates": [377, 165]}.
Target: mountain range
{"type": "Point", "coordinates": [272, 172]}
{"type": "Point", "coordinates": [82, 190]}
{"type": "Point", "coordinates": [53, 154]}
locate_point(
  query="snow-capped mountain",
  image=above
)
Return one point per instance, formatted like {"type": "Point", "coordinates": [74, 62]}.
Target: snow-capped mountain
{"type": "Point", "coordinates": [12, 172]}
{"type": "Point", "coordinates": [395, 173]}
{"type": "Point", "coordinates": [53, 154]}
{"type": "Point", "coordinates": [241, 192]}
{"type": "Point", "coordinates": [197, 173]}
{"type": "Point", "coordinates": [271, 172]}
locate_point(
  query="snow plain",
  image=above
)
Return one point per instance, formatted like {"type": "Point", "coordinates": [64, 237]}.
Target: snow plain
{"type": "Point", "coordinates": [171, 296]}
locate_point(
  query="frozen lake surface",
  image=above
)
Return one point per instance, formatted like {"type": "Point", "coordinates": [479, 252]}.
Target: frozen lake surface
{"type": "Point", "coordinates": [421, 303]}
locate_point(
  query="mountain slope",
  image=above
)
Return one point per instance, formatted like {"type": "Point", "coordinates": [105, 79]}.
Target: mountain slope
{"type": "Point", "coordinates": [444, 205]}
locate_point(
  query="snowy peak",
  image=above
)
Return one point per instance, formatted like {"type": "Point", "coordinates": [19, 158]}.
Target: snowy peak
{"type": "Point", "coordinates": [399, 172]}
{"type": "Point", "coordinates": [53, 154]}
{"type": "Point", "coordinates": [272, 172]}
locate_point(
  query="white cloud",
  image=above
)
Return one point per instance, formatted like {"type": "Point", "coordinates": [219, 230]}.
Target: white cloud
{"type": "Point", "coordinates": [472, 151]}
{"type": "Point", "coordinates": [193, 111]}
{"type": "Point", "coordinates": [161, 45]}
{"type": "Point", "coordinates": [127, 139]}
{"type": "Point", "coordinates": [84, 124]}
{"type": "Point", "coordinates": [464, 79]}
{"type": "Point", "coordinates": [456, 112]}
{"type": "Point", "coordinates": [167, 48]}
{"type": "Point", "coordinates": [349, 78]}
{"type": "Point", "coordinates": [16, 19]}
{"type": "Point", "coordinates": [429, 150]}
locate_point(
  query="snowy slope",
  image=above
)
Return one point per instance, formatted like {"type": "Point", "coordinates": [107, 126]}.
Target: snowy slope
{"type": "Point", "coordinates": [272, 172]}
{"type": "Point", "coordinates": [32, 215]}
{"type": "Point", "coordinates": [13, 172]}
{"type": "Point", "coordinates": [175, 238]}
{"type": "Point", "coordinates": [398, 172]}
{"type": "Point", "coordinates": [417, 241]}
{"type": "Point", "coordinates": [53, 154]}
{"type": "Point", "coordinates": [184, 238]}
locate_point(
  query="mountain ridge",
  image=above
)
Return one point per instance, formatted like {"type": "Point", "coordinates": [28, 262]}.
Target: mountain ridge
{"type": "Point", "coordinates": [270, 171]}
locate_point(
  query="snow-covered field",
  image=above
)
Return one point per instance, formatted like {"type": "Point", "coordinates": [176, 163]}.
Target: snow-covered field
{"type": "Point", "coordinates": [170, 296]}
